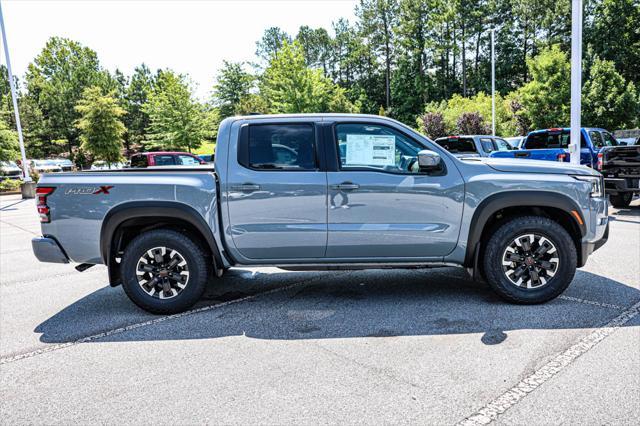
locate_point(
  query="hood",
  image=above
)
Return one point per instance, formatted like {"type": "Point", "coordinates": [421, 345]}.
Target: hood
{"type": "Point", "coordinates": [513, 165]}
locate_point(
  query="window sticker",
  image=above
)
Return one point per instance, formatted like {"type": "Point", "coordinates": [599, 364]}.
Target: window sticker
{"type": "Point", "coordinates": [370, 150]}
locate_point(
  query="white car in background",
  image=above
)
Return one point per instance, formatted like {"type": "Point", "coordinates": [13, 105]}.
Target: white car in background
{"type": "Point", "coordinates": [103, 165]}
{"type": "Point", "coordinates": [10, 170]}
{"type": "Point", "coordinates": [65, 164]}
{"type": "Point", "coordinates": [44, 166]}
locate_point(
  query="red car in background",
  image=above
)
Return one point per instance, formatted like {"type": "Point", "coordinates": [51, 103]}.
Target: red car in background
{"type": "Point", "coordinates": [165, 158]}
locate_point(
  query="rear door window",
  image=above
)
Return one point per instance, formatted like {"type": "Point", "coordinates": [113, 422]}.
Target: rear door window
{"type": "Point", "coordinates": [487, 145]}
{"type": "Point", "coordinates": [187, 160]}
{"type": "Point", "coordinates": [164, 160]}
{"type": "Point", "coordinates": [596, 138]}
{"type": "Point", "coordinates": [502, 145]}
{"type": "Point", "coordinates": [456, 145]}
{"type": "Point", "coordinates": [609, 140]}
{"type": "Point", "coordinates": [282, 147]}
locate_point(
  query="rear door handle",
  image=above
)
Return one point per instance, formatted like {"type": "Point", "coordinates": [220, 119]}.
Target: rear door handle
{"type": "Point", "coordinates": [345, 186]}
{"type": "Point", "coordinates": [246, 187]}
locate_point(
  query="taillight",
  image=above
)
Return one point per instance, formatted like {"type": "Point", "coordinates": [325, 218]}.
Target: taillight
{"type": "Point", "coordinates": [600, 161]}
{"type": "Point", "coordinates": [42, 192]}
{"type": "Point", "coordinates": [561, 157]}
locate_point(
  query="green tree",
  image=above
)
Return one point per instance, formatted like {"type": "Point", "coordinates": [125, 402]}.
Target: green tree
{"type": "Point", "coordinates": [288, 86]}
{"type": "Point", "coordinates": [377, 20]}
{"type": "Point", "coordinates": [316, 44]}
{"type": "Point", "coordinates": [233, 85]}
{"type": "Point", "coordinates": [137, 93]}
{"type": "Point", "coordinates": [99, 125]}
{"type": "Point", "coordinates": [614, 34]}
{"type": "Point", "coordinates": [545, 98]}
{"type": "Point", "coordinates": [56, 80]}
{"type": "Point", "coordinates": [9, 148]}
{"type": "Point", "coordinates": [271, 42]}
{"type": "Point", "coordinates": [608, 101]}
{"type": "Point", "coordinates": [176, 119]}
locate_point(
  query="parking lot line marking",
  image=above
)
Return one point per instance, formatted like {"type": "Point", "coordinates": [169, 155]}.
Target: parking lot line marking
{"type": "Point", "coordinates": [51, 348]}
{"type": "Point", "coordinates": [498, 406]}
{"type": "Point", "coordinates": [591, 302]}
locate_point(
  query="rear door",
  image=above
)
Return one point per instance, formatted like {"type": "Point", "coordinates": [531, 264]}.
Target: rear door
{"type": "Point", "coordinates": [277, 194]}
{"type": "Point", "coordinates": [380, 206]}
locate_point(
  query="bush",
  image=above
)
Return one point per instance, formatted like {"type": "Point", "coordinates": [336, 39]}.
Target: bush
{"type": "Point", "coordinates": [472, 123]}
{"type": "Point", "coordinates": [433, 125]}
{"type": "Point", "coordinates": [10, 185]}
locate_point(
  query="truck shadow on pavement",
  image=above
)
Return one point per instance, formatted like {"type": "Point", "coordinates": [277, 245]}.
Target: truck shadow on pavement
{"type": "Point", "coordinates": [381, 303]}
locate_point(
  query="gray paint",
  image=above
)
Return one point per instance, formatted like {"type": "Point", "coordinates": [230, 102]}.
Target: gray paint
{"type": "Point", "coordinates": [289, 220]}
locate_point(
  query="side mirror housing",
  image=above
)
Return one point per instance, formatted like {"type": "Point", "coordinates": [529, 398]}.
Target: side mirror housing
{"type": "Point", "coordinates": [429, 161]}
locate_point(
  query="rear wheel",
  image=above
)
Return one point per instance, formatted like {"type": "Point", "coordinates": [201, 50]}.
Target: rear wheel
{"type": "Point", "coordinates": [530, 260]}
{"type": "Point", "coordinates": [621, 200]}
{"type": "Point", "coordinates": [164, 272]}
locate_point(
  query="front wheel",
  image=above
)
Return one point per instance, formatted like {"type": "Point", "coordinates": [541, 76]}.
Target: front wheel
{"type": "Point", "coordinates": [164, 271]}
{"type": "Point", "coordinates": [530, 260]}
{"type": "Point", "coordinates": [621, 200]}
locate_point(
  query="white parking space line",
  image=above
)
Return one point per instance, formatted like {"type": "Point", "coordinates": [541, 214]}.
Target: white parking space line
{"type": "Point", "coordinates": [492, 410]}
{"type": "Point", "coordinates": [51, 348]}
{"type": "Point", "coordinates": [591, 302]}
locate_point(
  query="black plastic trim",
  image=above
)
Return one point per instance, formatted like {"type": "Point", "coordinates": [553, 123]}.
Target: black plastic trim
{"type": "Point", "coordinates": [494, 203]}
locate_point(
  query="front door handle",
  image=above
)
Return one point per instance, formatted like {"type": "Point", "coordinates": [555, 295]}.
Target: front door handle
{"type": "Point", "coordinates": [345, 186]}
{"type": "Point", "coordinates": [246, 187]}
{"type": "Point", "coordinates": [521, 154]}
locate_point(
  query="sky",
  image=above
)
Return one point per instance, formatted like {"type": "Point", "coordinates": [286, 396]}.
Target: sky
{"type": "Point", "coordinates": [190, 37]}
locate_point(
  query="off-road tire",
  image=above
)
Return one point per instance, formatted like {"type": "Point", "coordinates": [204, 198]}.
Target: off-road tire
{"type": "Point", "coordinates": [621, 200]}
{"type": "Point", "coordinates": [505, 234]}
{"type": "Point", "coordinates": [193, 254]}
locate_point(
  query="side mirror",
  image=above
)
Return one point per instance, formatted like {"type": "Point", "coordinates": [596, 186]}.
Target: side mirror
{"type": "Point", "coordinates": [429, 161]}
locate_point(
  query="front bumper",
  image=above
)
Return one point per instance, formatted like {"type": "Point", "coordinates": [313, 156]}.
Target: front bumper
{"type": "Point", "coordinates": [589, 247]}
{"type": "Point", "coordinates": [48, 250]}
{"type": "Point", "coordinates": [616, 185]}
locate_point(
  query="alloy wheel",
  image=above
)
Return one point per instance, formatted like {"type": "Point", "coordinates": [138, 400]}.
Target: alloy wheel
{"type": "Point", "coordinates": [162, 272]}
{"type": "Point", "coordinates": [530, 261]}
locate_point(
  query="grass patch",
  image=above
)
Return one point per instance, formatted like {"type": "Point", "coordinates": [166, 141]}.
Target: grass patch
{"type": "Point", "coordinates": [207, 148]}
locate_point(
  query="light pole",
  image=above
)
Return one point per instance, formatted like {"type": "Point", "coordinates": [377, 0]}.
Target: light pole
{"type": "Point", "coordinates": [576, 79]}
{"type": "Point", "coordinates": [493, 82]}
{"type": "Point", "coordinates": [12, 84]}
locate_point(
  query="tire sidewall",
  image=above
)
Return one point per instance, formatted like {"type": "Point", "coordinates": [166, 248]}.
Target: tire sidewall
{"type": "Point", "coordinates": [550, 230]}
{"type": "Point", "coordinates": [191, 253]}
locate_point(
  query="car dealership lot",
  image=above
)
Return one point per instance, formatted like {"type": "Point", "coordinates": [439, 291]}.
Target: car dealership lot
{"type": "Point", "coordinates": [269, 346]}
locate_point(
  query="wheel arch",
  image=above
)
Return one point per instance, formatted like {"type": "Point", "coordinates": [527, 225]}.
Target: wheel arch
{"type": "Point", "coordinates": [126, 220]}
{"type": "Point", "coordinates": [497, 207]}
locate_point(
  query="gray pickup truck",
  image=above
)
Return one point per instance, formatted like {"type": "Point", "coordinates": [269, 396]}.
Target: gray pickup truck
{"type": "Point", "coordinates": [325, 192]}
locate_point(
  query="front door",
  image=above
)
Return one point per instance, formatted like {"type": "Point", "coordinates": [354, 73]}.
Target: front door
{"type": "Point", "coordinates": [381, 206]}
{"type": "Point", "coordinates": [277, 195]}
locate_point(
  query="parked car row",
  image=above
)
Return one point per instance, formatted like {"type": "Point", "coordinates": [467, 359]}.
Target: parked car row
{"type": "Point", "coordinates": [599, 149]}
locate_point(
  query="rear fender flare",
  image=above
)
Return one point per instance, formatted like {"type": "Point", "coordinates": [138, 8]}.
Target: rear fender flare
{"type": "Point", "coordinates": [151, 209]}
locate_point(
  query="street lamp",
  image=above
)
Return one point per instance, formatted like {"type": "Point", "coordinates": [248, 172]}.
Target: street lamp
{"type": "Point", "coordinates": [576, 79]}
{"type": "Point", "coordinates": [12, 84]}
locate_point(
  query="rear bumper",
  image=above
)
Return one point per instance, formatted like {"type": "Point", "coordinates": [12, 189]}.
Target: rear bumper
{"type": "Point", "coordinates": [48, 250]}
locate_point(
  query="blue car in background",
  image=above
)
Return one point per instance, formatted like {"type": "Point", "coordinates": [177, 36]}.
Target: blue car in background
{"type": "Point", "coordinates": [553, 145]}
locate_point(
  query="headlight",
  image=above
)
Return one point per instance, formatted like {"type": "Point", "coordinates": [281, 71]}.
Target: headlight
{"type": "Point", "coordinates": [597, 188]}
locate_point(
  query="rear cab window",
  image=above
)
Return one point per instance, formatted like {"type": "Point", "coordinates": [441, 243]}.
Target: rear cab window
{"type": "Point", "coordinates": [456, 144]}
{"type": "Point", "coordinates": [487, 145]}
{"type": "Point", "coordinates": [550, 139]}
{"type": "Point", "coordinates": [289, 147]}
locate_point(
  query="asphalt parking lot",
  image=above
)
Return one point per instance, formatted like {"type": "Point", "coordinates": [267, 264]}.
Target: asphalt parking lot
{"type": "Point", "coordinates": [267, 346]}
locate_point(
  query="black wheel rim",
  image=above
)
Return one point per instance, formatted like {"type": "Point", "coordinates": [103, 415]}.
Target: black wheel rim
{"type": "Point", "coordinates": [530, 261]}
{"type": "Point", "coordinates": [162, 272]}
